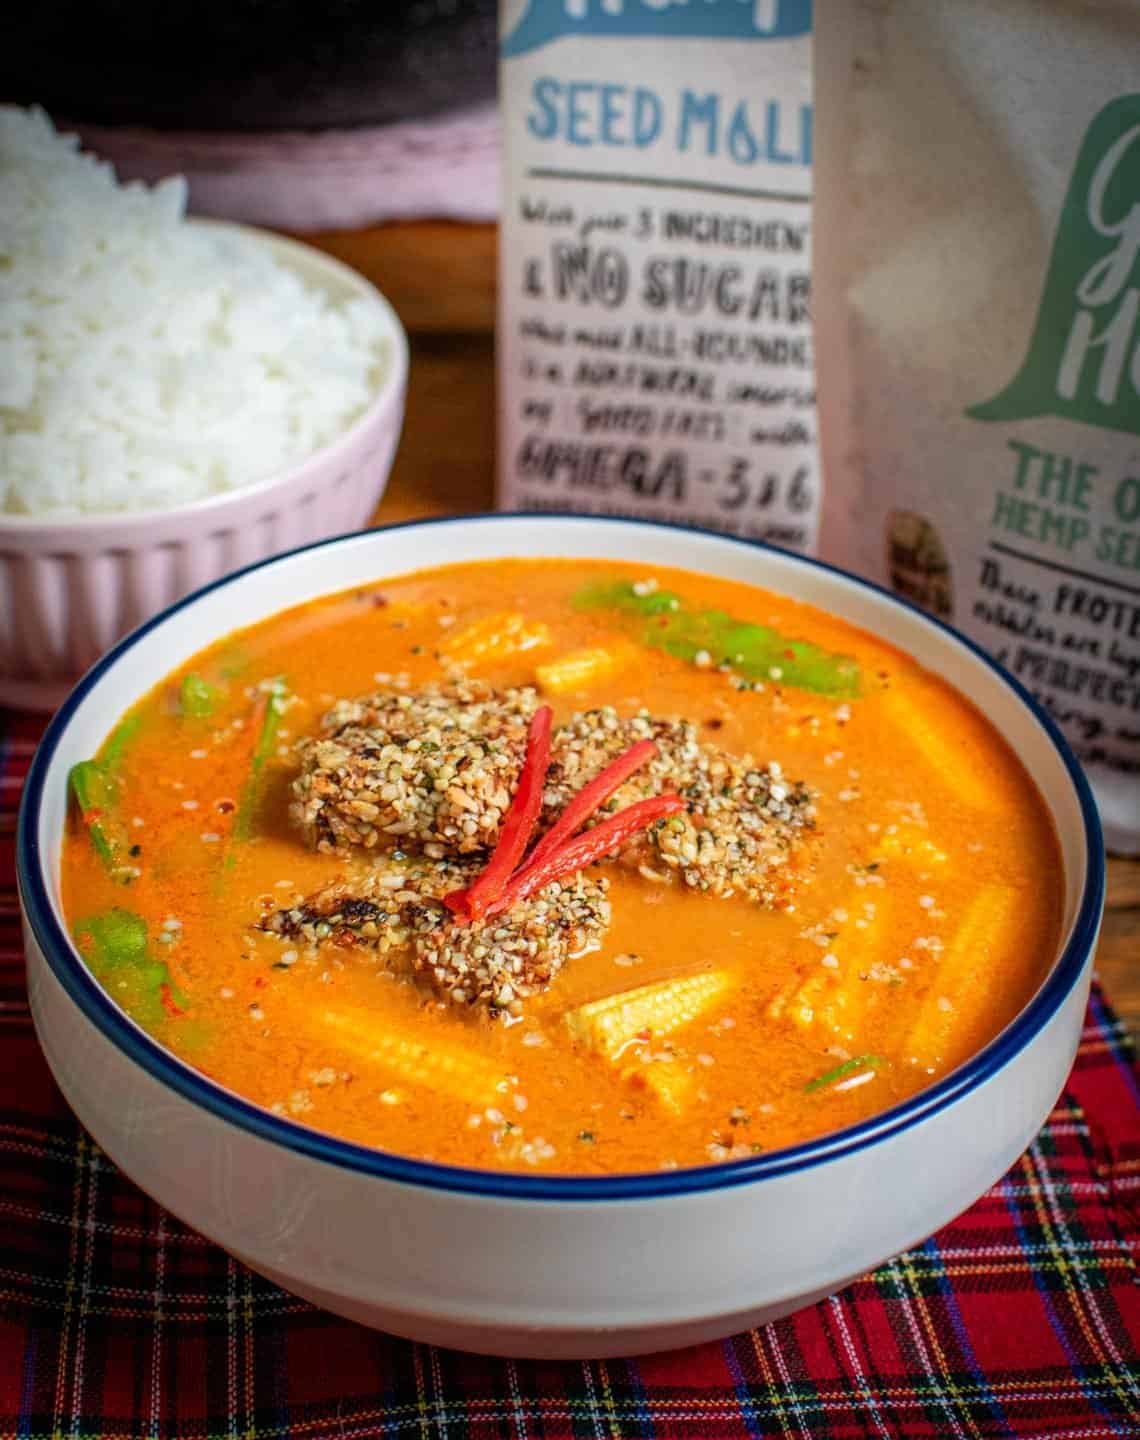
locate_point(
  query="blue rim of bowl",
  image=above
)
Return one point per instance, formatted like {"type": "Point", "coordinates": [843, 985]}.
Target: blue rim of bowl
{"type": "Point", "coordinates": [82, 988]}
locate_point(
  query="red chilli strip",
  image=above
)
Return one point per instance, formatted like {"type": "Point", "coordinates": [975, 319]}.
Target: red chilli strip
{"type": "Point", "coordinates": [591, 798]}
{"type": "Point", "coordinates": [518, 825]}
{"type": "Point", "coordinates": [576, 854]}
{"type": "Point", "coordinates": [169, 1004]}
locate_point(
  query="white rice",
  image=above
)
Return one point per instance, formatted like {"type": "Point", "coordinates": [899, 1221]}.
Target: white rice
{"type": "Point", "coordinates": [145, 362]}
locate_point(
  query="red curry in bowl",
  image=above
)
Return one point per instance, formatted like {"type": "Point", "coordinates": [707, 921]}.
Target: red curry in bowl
{"type": "Point", "coordinates": [565, 865]}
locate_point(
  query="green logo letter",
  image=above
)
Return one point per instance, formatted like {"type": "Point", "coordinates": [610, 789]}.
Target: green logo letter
{"type": "Point", "coordinates": [1084, 358]}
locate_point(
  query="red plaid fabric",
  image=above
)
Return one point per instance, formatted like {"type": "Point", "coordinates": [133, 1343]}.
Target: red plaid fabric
{"type": "Point", "coordinates": [1020, 1319]}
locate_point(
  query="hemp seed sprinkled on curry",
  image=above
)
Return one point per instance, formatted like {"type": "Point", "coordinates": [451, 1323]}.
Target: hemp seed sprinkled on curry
{"type": "Point", "coordinates": [565, 865]}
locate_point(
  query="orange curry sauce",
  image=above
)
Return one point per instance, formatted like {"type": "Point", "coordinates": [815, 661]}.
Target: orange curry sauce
{"type": "Point", "coordinates": [928, 916]}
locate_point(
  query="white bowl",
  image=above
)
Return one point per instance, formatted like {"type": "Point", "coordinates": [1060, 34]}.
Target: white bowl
{"type": "Point", "coordinates": [70, 587]}
{"type": "Point", "coordinates": [526, 1264]}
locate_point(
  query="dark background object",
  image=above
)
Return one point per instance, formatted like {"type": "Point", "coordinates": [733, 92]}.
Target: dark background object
{"type": "Point", "coordinates": [248, 64]}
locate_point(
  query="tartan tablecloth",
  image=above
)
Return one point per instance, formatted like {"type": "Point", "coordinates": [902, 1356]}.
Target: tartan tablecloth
{"type": "Point", "coordinates": [1020, 1319]}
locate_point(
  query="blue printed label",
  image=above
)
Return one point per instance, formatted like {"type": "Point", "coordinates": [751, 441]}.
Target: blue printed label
{"type": "Point", "coordinates": [654, 340]}
{"type": "Point", "coordinates": [546, 20]}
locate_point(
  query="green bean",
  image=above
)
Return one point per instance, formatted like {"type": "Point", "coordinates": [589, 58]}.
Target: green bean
{"type": "Point", "coordinates": [840, 1072]}
{"type": "Point", "coordinates": [118, 740]}
{"type": "Point", "coordinates": [712, 637]}
{"type": "Point", "coordinates": [115, 946]}
{"type": "Point", "coordinates": [96, 795]}
{"type": "Point", "coordinates": [197, 697]}
{"type": "Point", "coordinates": [263, 748]}
{"type": "Point", "coordinates": [94, 787]}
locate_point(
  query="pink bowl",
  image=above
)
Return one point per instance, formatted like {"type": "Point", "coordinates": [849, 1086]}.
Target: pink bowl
{"type": "Point", "coordinates": [70, 588]}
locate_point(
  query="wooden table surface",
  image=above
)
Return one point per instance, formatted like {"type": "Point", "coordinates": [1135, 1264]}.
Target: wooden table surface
{"type": "Point", "coordinates": [441, 279]}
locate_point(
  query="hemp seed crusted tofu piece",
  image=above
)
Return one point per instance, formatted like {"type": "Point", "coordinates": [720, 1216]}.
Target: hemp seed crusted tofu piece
{"type": "Point", "coordinates": [374, 905]}
{"type": "Point", "coordinates": [501, 961]}
{"type": "Point", "coordinates": [497, 964]}
{"type": "Point", "coordinates": [431, 769]}
{"type": "Point", "coordinates": [744, 822]}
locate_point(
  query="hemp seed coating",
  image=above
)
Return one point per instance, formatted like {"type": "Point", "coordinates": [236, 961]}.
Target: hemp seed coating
{"type": "Point", "coordinates": [743, 824]}
{"type": "Point", "coordinates": [433, 770]}
{"type": "Point", "coordinates": [398, 912]}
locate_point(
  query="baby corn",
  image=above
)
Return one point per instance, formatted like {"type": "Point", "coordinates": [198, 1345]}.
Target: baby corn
{"type": "Point", "coordinates": [968, 966]}
{"type": "Point", "coordinates": [607, 1026]}
{"type": "Point", "coordinates": [670, 1083]}
{"type": "Point", "coordinates": [493, 639]}
{"type": "Point", "coordinates": [915, 724]}
{"type": "Point", "coordinates": [844, 984]}
{"type": "Point", "coordinates": [441, 1067]}
{"type": "Point", "coordinates": [578, 669]}
{"type": "Point", "coordinates": [905, 841]}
